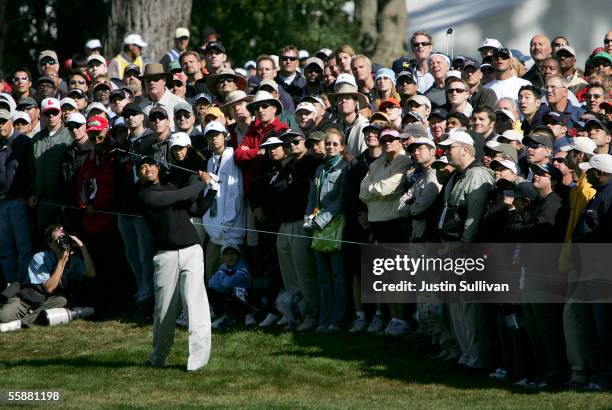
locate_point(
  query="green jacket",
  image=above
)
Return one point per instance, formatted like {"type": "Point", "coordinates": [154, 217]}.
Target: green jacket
{"type": "Point", "coordinates": [48, 154]}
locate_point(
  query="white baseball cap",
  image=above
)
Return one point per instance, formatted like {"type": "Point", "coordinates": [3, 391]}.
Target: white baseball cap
{"type": "Point", "coordinates": [96, 57]}
{"type": "Point", "coordinates": [179, 138]}
{"type": "Point", "coordinates": [303, 54]}
{"type": "Point", "coordinates": [181, 32]}
{"type": "Point", "coordinates": [601, 162]}
{"type": "Point", "coordinates": [134, 39]}
{"type": "Point", "coordinates": [489, 42]}
{"type": "Point", "coordinates": [506, 113]}
{"type": "Point", "coordinates": [582, 144]}
{"type": "Point", "coordinates": [345, 78]}
{"type": "Point", "coordinates": [76, 117]}
{"type": "Point", "coordinates": [305, 106]}
{"type": "Point", "coordinates": [506, 163]}
{"type": "Point", "coordinates": [50, 104]}
{"type": "Point", "coordinates": [214, 126]}
{"type": "Point", "coordinates": [513, 135]}
{"type": "Point", "coordinates": [93, 44]}
{"type": "Point", "coordinates": [69, 101]}
{"type": "Point", "coordinates": [93, 106]}
{"type": "Point", "coordinates": [250, 64]}
{"type": "Point", "coordinates": [22, 115]}
{"type": "Point", "coordinates": [569, 49]}
{"type": "Point", "coordinates": [457, 136]}
{"type": "Point", "coordinates": [453, 74]}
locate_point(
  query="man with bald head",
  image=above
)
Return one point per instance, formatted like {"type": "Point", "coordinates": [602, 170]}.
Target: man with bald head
{"type": "Point", "coordinates": [540, 49]}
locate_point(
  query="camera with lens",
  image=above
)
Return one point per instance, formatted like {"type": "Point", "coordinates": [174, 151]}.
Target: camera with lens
{"type": "Point", "coordinates": [67, 243]}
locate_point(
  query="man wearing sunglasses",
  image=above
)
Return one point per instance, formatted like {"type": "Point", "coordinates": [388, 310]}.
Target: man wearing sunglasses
{"type": "Point", "coordinates": [30, 106]}
{"type": "Point", "coordinates": [48, 65]}
{"type": "Point", "coordinates": [288, 76]}
{"type": "Point", "coordinates": [506, 84]}
{"type": "Point", "coordinates": [421, 44]}
{"type": "Point", "coordinates": [49, 147]}
{"type": "Point", "coordinates": [539, 147]}
{"type": "Point", "coordinates": [185, 120]}
{"type": "Point", "coordinates": [156, 81]}
{"type": "Point", "coordinates": [21, 81]}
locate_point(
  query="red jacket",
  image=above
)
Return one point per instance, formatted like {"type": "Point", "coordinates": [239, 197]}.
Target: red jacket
{"type": "Point", "coordinates": [96, 184]}
{"type": "Point", "coordinates": [247, 153]}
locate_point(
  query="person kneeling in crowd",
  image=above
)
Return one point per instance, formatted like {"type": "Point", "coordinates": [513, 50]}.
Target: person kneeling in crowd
{"type": "Point", "coordinates": [228, 288]}
{"type": "Point", "coordinates": [49, 273]}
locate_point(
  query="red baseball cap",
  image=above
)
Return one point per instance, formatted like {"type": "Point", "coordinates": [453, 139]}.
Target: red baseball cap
{"type": "Point", "coordinates": [96, 123]}
{"type": "Point", "coordinates": [389, 101]}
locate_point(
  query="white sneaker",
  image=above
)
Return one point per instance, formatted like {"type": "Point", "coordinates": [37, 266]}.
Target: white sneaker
{"type": "Point", "coordinates": [183, 320]}
{"type": "Point", "coordinates": [397, 328]}
{"type": "Point", "coordinates": [499, 374]}
{"type": "Point", "coordinates": [249, 320]}
{"type": "Point", "coordinates": [376, 326]}
{"type": "Point", "coordinates": [271, 319]}
{"type": "Point", "coordinates": [359, 326]}
{"type": "Point", "coordinates": [524, 382]}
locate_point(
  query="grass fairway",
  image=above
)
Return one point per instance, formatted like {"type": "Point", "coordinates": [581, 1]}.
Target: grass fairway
{"type": "Point", "coordinates": [102, 364]}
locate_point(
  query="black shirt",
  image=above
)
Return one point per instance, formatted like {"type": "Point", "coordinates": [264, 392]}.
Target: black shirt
{"type": "Point", "coordinates": [167, 211]}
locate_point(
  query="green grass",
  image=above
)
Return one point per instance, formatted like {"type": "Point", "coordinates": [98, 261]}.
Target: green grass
{"type": "Point", "coordinates": [102, 365]}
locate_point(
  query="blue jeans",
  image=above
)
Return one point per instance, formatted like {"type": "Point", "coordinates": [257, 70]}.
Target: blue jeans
{"type": "Point", "coordinates": [15, 240]}
{"type": "Point", "coordinates": [139, 251]}
{"type": "Point", "coordinates": [334, 287]}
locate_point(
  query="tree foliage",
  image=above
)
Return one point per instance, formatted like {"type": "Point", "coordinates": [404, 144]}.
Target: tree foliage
{"type": "Point", "coordinates": [253, 27]}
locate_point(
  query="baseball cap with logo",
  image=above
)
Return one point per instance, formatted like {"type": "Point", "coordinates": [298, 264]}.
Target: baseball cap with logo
{"type": "Point", "coordinates": [503, 51]}
{"type": "Point", "coordinates": [407, 75]}
{"type": "Point", "coordinates": [457, 136]}
{"type": "Point", "coordinates": [97, 123]}
{"type": "Point", "coordinates": [489, 43]}
{"type": "Point", "coordinates": [49, 55]}
{"type": "Point", "coordinates": [554, 117]}
{"type": "Point", "coordinates": [214, 126]}
{"type": "Point", "coordinates": [214, 44]}
{"type": "Point", "coordinates": [601, 162]}
{"type": "Point", "coordinates": [181, 32]}
{"type": "Point", "coordinates": [50, 104]}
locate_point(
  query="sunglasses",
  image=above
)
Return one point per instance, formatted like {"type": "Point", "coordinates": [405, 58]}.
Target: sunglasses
{"type": "Point", "coordinates": [455, 90]}
{"type": "Point", "coordinates": [177, 83]}
{"type": "Point", "coordinates": [72, 126]}
{"type": "Point", "coordinates": [558, 160]}
{"type": "Point", "coordinates": [226, 80]}
{"type": "Point", "coordinates": [48, 62]}
{"type": "Point", "coordinates": [157, 118]}
{"type": "Point", "coordinates": [295, 141]}
{"type": "Point", "coordinates": [421, 44]}
{"type": "Point", "coordinates": [182, 115]}
{"type": "Point", "coordinates": [79, 82]}
{"type": "Point", "coordinates": [607, 41]}
{"type": "Point", "coordinates": [51, 113]}
{"type": "Point", "coordinates": [154, 79]}
{"type": "Point", "coordinates": [129, 114]}
{"type": "Point", "coordinates": [288, 58]}
{"type": "Point", "coordinates": [262, 105]}
{"type": "Point", "coordinates": [22, 78]}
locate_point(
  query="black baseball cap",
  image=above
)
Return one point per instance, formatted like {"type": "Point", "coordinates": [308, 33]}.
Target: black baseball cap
{"type": "Point", "coordinates": [214, 44]}
{"type": "Point", "coordinates": [554, 117]}
{"type": "Point", "coordinates": [549, 169]}
{"type": "Point", "coordinates": [539, 138]}
{"type": "Point", "coordinates": [80, 93]}
{"type": "Point", "coordinates": [401, 64]}
{"type": "Point", "coordinates": [146, 160]}
{"type": "Point", "coordinates": [45, 79]}
{"type": "Point", "coordinates": [470, 62]}
{"type": "Point", "coordinates": [440, 113]}
{"type": "Point", "coordinates": [132, 67]}
{"type": "Point", "coordinates": [406, 74]}
{"type": "Point", "coordinates": [503, 51]}
{"type": "Point", "coordinates": [132, 107]}
{"type": "Point", "coordinates": [525, 190]}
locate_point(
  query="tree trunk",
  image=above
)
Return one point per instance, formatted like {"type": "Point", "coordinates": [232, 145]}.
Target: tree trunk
{"type": "Point", "coordinates": [2, 31]}
{"type": "Point", "coordinates": [154, 20]}
{"type": "Point", "coordinates": [365, 15]}
{"type": "Point", "coordinates": [392, 39]}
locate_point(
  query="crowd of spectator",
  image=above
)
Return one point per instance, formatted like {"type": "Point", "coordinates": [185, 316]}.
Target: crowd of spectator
{"type": "Point", "coordinates": [499, 146]}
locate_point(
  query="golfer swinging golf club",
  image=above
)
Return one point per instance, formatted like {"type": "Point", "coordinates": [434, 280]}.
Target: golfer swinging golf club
{"type": "Point", "coordinates": [179, 261]}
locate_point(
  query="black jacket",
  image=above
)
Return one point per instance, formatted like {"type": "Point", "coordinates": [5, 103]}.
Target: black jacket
{"type": "Point", "coordinates": [15, 178]}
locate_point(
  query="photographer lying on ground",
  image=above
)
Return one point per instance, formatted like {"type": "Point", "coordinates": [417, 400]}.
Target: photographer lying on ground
{"type": "Point", "coordinates": [49, 273]}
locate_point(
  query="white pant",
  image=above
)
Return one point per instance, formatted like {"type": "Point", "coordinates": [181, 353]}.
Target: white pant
{"type": "Point", "coordinates": [181, 272]}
